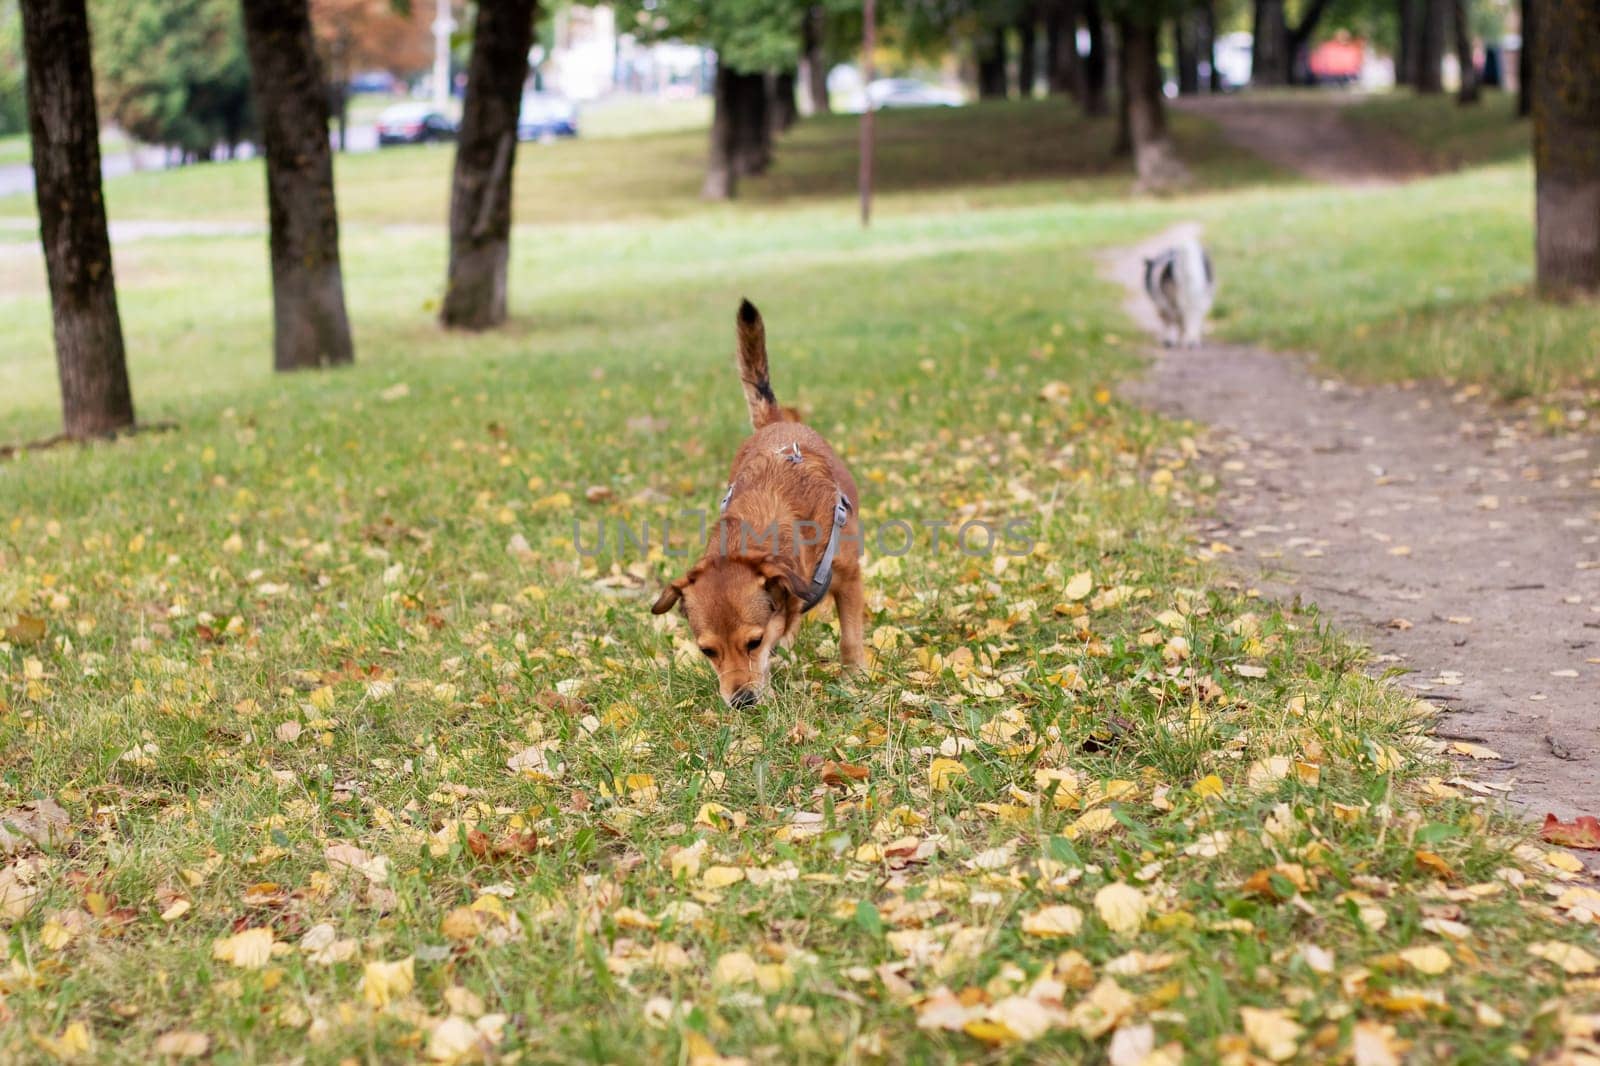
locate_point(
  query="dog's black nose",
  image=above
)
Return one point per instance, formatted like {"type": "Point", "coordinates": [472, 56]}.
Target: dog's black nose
{"type": "Point", "coordinates": [742, 698]}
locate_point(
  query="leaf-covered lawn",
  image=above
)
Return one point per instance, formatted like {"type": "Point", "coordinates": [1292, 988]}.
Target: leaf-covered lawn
{"type": "Point", "coordinates": [320, 741]}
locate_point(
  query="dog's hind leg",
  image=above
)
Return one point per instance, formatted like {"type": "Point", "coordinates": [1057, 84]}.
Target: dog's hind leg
{"type": "Point", "coordinates": [850, 602]}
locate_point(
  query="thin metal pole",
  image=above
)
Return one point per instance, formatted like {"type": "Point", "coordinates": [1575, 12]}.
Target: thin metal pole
{"type": "Point", "coordinates": [869, 43]}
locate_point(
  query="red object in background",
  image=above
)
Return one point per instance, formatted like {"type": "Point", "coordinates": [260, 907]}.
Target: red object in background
{"type": "Point", "coordinates": [1339, 59]}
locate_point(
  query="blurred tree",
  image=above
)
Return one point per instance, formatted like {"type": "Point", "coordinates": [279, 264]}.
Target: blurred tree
{"type": "Point", "coordinates": [310, 324]}
{"type": "Point", "coordinates": [814, 57]}
{"type": "Point", "coordinates": [174, 73]}
{"type": "Point", "coordinates": [1529, 29]}
{"type": "Point", "coordinates": [1566, 146]}
{"type": "Point", "coordinates": [1143, 105]}
{"type": "Point", "coordinates": [13, 87]}
{"type": "Point", "coordinates": [95, 398]}
{"type": "Point", "coordinates": [1096, 63]}
{"type": "Point", "coordinates": [750, 37]}
{"type": "Point", "coordinates": [486, 156]}
{"type": "Point", "coordinates": [1063, 72]}
{"type": "Point", "coordinates": [1430, 34]}
{"type": "Point", "coordinates": [1279, 55]}
{"type": "Point", "coordinates": [360, 35]}
{"type": "Point", "coordinates": [1468, 91]}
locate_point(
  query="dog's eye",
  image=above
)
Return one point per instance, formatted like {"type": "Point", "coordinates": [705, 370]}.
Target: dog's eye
{"type": "Point", "coordinates": [710, 653]}
{"type": "Point", "coordinates": [754, 643]}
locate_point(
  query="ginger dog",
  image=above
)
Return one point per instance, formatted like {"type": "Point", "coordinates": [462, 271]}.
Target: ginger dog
{"type": "Point", "coordinates": [789, 535]}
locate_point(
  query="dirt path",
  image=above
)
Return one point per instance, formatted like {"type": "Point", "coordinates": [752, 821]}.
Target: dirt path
{"type": "Point", "coordinates": [1311, 137]}
{"type": "Point", "coordinates": [1462, 551]}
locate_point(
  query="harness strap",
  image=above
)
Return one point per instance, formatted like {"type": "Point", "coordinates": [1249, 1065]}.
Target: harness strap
{"type": "Point", "coordinates": [822, 577]}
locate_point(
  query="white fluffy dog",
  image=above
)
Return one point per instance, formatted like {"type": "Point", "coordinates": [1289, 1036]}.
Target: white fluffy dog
{"type": "Point", "coordinates": [1182, 286]}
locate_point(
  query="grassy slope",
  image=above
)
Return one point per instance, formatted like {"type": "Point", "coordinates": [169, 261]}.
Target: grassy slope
{"type": "Point", "coordinates": [1426, 280]}
{"type": "Point", "coordinates": [295, 624]}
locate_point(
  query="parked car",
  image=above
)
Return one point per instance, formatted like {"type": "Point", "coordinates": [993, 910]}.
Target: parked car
{"type": "Point", "coordinates": [373, 81]}
{"type": "Point", "coordinates": [414, 124]}
{"type": "Point", "coordinates": [909, 92]}
{"type": "Point", "coordinates": [1235, 53]}
{"type": "Point", "coordinates": [546, 116]}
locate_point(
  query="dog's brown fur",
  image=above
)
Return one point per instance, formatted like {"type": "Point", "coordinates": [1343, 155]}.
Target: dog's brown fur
{"type": "Point", "coordinates": [743, 597]}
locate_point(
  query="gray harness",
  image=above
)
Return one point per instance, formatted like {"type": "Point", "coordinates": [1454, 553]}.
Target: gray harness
{"type": "Point", "coordinates": [822, 577]}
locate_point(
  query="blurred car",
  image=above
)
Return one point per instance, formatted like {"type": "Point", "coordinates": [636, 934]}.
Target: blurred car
{"type": "Point", "coordinates": [546, 116]}
{"type": "Point", "coordinates": [414, 124]}
{"type": "Point", "coordinates": [1339, 61]}
{"type": "Point", "coordinates": [373, 81]}
{"type": "Point", "coordinates": [909, 92]}
{"type": "Point", "coordinates": [1235, 53]}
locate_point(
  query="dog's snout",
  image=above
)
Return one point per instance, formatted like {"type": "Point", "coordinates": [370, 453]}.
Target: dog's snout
{"type": "Point", "coordinates": [742, 698]}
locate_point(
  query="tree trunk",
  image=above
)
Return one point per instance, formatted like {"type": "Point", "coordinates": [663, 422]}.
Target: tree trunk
{"type": "Point", "coordinates": [1468, 91]}
{"type": "Point", "coordinates": [752, 131]}
{"type": "Point", "coordinates": [1186, 48]}
{"type": "Point", "coordinates": [1269, 62]}
{"type": "Point", "coordinates": [1123, 145]}
{"type": "Point", "coordinates": [1530, 29]}
{"type": "Point", "coordinates": [1094, 64]}
{"type": "Point", "coordinates": [1153, 157]}
{"type": "Point", "coordinates": [95, 398]}
{"type": "Point", "coordinates": [486, 157]}
{"type": "Point", "coordinates": [992, 65]}
{"type": "Point", "coordinates": [1566, 147]}
{"type": "Point", "coordinates": [782, 110]}
{"type": "Point", "coordinates": [1430, 46]}
{"type": "Point", "coordinates": [1299, 42]}
{"type": "Point", "coordinates": [1063, 68]}
{"type": "Point", "coordinates": [722, 179]}
{"type": "Point", "coordinates": [1027, 53]}
{"type": "Point", "coordinates": [1405, 63]}
{"type": "Point", "coordinates": [813, 58]}
{"type": "Point", "coordinates": [310, 326]}
{"type": "Point", "coordinates": [1208, 42]}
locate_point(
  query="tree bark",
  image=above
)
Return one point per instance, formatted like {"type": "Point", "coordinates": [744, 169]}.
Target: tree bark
{"type": "Point", "coordinates": [1208, 42]}
{"type": "Point", "coordinates": [1530, 29]}
{"type": "Point", "coordinates": [752, 147]}
{"type": "Point", "coordinates": [1153, 156]}
{"type": "Point", "coordinates": [1269, 60]}
{"type": "Point", "coordinates": [1094, 64]}
{"type": "Point", "coordinates": [1123, 145]}
{"type": "Point", "coordinates": [992, 65]}
{"type": "Point", "coordinates": [96, 400]}
{"type": "Point", "coordinates": [486, 156]}
{"type": "Point", "coordinates": [1027, 53]}
{"type": "Point", "coordinates": [782, 110]}
{"type": "Point", "coordinates": [310, 326]}
{"type": "Point", "coordinates": [1405, 63]}
{"type": "Point", "coordinates": [1566, 147]}
{"type": "Point", "coordinates": [813, 58]}
{"type": "Point", "coordinates": [1297, 53]}
{"type": "Point", "coordinates": [1467, 93]}
{"type": "Point", "coordinates": [1186, 48]}
{"type": "Point", "coordinates": [722, 178]}
{"type": "Point", "coordinates": [1430, 46]}
{"type": "Point", "coordinates": [1063, 67]}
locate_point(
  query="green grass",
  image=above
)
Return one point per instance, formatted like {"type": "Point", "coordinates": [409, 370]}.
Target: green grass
{"type": "Point", "coordinates": [14, 149]}
{"type": "Point", "coordinates": [329, 608]}
{"type": "Point", "coordinates": [1445, 135]}
{"type": "Point", "coordinates": [1429, 280]}
{"type": "Point", "coordinates": [975, 156]}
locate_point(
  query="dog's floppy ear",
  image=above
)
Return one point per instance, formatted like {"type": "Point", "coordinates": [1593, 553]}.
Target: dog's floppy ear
{"type": "Point", "coordinates": [782, 578]}
{"type": "Point", "coordinates": [670, 596]}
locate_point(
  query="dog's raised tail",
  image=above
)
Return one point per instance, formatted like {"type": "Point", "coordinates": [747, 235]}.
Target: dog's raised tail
{"type": "Point", "coordinates": [753, 372]}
